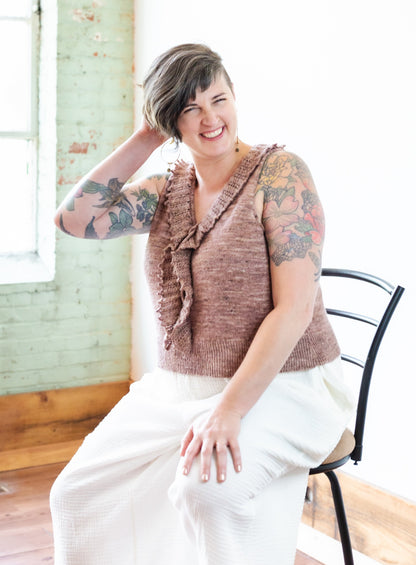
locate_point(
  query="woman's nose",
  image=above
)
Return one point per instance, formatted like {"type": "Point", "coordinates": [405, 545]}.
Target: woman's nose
{"type": "Point", "coordinates": [209, 116]}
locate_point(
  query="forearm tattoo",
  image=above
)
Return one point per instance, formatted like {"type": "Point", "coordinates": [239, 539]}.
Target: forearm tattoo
{"type": "Point", "coordinates": [293, 218]}
{"type": "Point", "coordinates": [123, 210]}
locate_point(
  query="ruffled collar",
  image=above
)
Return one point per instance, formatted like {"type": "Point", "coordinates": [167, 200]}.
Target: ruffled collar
{"type": "Point", "coordinates": [175, 276]}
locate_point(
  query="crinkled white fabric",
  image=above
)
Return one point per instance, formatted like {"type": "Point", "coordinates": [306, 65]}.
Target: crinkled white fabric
{"type": "Point", "coordinates": [122, 499]}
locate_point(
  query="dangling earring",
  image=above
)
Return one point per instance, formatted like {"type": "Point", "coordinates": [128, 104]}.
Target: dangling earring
{"type": "Point", "coordinates": [173, 147]}
{"type": "Point", "coordinates": [237, 149]}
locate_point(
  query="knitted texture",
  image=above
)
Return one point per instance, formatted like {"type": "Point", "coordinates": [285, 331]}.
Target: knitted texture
{"type": "Point", "coordinates": [210, 282]}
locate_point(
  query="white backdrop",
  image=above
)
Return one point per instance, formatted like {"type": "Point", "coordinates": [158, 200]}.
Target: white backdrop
{"type": "Point", "coordinates": [334, 81]}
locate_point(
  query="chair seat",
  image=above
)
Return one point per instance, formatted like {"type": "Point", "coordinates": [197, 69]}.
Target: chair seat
{"type": "Point", "coordinates": [344, 447]}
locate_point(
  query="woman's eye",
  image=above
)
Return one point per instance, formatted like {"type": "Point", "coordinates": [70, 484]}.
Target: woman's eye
{"type": "Point", "coordinates": [220, 100]}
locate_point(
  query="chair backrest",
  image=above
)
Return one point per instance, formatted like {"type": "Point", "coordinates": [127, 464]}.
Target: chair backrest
{"type": "Point", "coordinates": [367, 364]}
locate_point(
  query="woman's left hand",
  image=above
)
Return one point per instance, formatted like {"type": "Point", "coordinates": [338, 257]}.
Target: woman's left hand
{"type": "Point", "coordinates": [218, 432]}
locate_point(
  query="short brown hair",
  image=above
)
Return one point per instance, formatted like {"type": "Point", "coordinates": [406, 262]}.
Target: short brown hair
{"type": "Point", "coordinates": [172, 81]}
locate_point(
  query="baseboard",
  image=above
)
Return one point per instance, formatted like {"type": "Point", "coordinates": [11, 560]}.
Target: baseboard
{"type": "Point", "coordinates": [39, 455]}
{"type": "Point", "coordinates": [47, 427]}
{"type": "Point", "coordinates": [382, 525]}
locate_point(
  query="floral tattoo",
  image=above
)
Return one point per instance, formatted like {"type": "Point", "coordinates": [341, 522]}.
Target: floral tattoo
{"type": "Point", "coordinates": [111, 196]}
{"type": "Point", "coordinates": [293, 218]}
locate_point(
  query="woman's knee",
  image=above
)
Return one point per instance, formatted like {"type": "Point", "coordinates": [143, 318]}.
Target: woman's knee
{"type": "Point", "coordinates": [65, 490]}
{"type": "Point", "coordinates": [56, 495]}
{"type": "Point", "coordinates": [192, 494]}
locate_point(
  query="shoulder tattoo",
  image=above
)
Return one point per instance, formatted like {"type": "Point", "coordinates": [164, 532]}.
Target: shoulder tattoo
{"type": "Point", "coordinates": [293, 218]}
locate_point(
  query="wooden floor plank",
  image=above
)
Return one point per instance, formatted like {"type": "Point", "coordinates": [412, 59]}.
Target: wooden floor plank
{"type": "Point", "coordinates": [35, 557]}
{"type": "Point", "coordinates": [302, 559]}
{"type": "Point", "coordinates": [25, 521]}
{"type": "Point", "coordinates": [382, 525]}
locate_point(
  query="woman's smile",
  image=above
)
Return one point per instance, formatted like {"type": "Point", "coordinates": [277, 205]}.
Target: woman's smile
{"type": "Point", "coordinates": [213, 134]}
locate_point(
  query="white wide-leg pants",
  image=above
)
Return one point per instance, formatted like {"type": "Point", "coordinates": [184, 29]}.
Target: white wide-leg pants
{"type": "Point", "coordinates": [123, 500]}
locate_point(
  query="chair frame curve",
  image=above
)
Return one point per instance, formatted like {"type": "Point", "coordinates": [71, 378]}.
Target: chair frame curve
{"type": "Point", "coordinates": [367, 367]}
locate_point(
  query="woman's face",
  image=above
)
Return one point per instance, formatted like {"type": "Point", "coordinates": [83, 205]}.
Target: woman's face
{"type": "Point", "coordinates": [208, 124]}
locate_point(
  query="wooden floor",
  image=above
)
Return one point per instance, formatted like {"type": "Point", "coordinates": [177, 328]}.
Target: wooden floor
{"type": "Point", "coordinates": [25, 522]}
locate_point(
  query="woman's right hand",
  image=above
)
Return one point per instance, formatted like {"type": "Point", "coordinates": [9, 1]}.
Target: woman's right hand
{"type": "Point", "coordinates": [154, 135]}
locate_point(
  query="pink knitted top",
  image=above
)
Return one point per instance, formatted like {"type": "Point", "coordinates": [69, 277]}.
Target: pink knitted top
{"type": "Point", "coordinates": [210, 282]}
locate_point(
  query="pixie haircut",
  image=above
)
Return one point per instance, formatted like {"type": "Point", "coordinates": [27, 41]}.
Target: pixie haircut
{"type": "Point", "coordinates": [173, 80]}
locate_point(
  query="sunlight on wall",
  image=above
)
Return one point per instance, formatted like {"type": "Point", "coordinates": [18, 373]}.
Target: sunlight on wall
{"type": "Point", "coordinates": [334, 82]}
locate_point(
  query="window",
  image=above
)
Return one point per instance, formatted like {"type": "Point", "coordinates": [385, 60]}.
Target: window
{"type": "Point", "coordinates": [22, 243]}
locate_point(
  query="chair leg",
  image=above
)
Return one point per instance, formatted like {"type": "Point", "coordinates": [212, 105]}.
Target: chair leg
{"type": "Point", "coordinates": [341, 518]}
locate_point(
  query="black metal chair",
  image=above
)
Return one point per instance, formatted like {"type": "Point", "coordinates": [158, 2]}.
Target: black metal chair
{"type": "Point", "coordinates": [351, 444]}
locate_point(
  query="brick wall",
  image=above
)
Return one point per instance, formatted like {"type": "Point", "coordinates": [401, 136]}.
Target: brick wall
{"type": "Point", "coordinates": [75, 330]}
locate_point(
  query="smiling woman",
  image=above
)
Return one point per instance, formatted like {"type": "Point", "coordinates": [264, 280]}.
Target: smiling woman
{"type": "Point", "coordinates": [215, 445]}
{"type": "Point", "coordinates": [208, 123]}
{"type": "Point", "coordinates": [182, 77]}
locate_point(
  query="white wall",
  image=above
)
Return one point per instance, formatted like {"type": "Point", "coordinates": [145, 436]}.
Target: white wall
{"type": "Point", "coordinates": [334, 81]}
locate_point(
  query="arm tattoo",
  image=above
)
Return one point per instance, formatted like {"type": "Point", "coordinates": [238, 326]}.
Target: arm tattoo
{"type": "Point", "coordinates": [292, 216]}
{"type": "Point", "coordinates": [61, 225]}
{"type": "Point", "coordinates": [145, 209]}
{"type": "Point", "coordinates": [111, 196]}
{"type": "Point", "coordinates": [90, 232]}
{"type": "Point", "coordinates": [146, 206]}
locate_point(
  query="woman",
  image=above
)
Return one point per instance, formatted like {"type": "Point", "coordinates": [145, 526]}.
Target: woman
{"type": "Point", "coordinates": [248, 394]}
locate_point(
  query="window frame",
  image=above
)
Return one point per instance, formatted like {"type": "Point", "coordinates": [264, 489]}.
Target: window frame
{"type": "Point", "coordinates": [39, 265]}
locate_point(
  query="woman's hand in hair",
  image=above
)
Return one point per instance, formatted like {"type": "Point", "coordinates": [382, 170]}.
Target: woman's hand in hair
{"type": "Point", "coordinates": [154, 135]}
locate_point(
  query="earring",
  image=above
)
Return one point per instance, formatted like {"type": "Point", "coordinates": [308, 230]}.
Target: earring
{"type": "Point", "coordinates": [170, 152]}
{"type": "Point", "coordinates": [237, 149]}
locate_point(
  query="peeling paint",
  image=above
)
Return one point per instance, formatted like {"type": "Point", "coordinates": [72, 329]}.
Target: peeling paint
{"type": "Point", "coordinates": [61, 164]}
{"type": "Point", "coordinates": [80, 15]}
{"type": "Point", "coordinates": [65, 180]}
{"type": "Point", "coordinates": [79, 147]}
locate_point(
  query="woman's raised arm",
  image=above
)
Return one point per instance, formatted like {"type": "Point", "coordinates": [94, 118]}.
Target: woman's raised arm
{"type": "Point", "coordinates": [102, 206]}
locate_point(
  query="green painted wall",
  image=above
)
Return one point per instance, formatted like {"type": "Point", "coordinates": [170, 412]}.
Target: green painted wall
{"type": "Point", "coordinates": [75, 330]}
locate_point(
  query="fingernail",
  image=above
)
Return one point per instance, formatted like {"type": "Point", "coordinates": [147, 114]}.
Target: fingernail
{"type": "Point", "coordinates": [204, 477]}
{"type": "Point", "coordinates": [222, 477]}
{"type": "Point", "coordinates": [238, 468]}
{"type": "Point", "coordinates": [185, 470]}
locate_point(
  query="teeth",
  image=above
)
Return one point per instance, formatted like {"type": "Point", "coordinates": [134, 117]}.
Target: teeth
{"type": "Point", "coordinates": [213, 133]}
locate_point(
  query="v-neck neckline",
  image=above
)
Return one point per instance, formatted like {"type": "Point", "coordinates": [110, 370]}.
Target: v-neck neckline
{"type": "Point", "coordinates": [207, 215]}
{"type": "Point", "coordinates": [185, 232]}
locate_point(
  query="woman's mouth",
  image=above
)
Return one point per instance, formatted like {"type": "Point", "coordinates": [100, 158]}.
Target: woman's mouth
{"type": "Point", "coordinates": [213, 134]}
